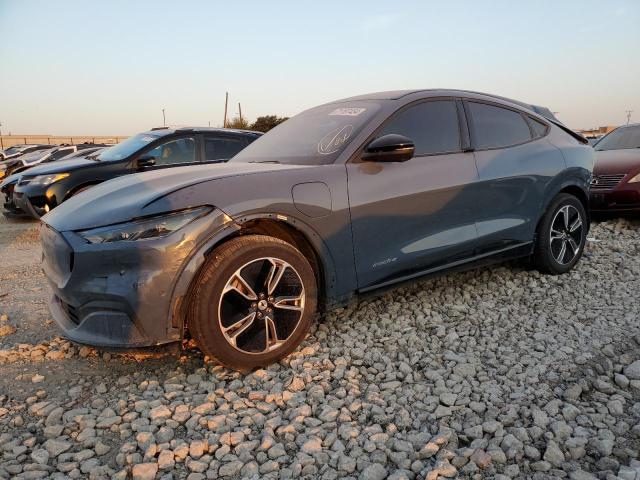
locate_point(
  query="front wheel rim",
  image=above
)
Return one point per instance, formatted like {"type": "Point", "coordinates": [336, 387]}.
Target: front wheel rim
{"type": "Point", "coordinates": [565, 238]}
{"type": "Point", "coordinates": [261, 305]}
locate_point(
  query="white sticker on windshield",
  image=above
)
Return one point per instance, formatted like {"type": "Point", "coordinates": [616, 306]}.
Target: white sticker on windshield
{"type": "Point", "coordinates": [148, 139]}
{"type": "Point", "coordinates": [348, 112]}
{"type": "Point", "coordinates": [333, 141]}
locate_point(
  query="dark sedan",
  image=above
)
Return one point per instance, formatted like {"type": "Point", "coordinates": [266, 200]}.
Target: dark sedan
{"type": "Point", "coordinates": [343, 199]}
{"type": "Point", "coordinates": [30, 161]}
{"type": "Point", "coordinates": [615, 187]}
{"type": "Point", "coordinates": [45, 187]}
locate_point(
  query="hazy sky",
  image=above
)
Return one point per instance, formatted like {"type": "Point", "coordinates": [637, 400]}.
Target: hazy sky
{"type": "Point", "coordinates": [109, 67]}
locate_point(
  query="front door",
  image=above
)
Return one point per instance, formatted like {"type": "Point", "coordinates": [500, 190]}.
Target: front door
{"type": "Point", "coordinates": [173, 152]}
{"type": "Point", "coordinates": [416, 215]}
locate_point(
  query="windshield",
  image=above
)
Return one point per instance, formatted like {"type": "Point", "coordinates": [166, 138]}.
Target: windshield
{"type": "Point", "coordinates": [621, 139]}
{"type": "Point", "coordinates": [313, 137]}
{"type": "Point", "coordinates": [14, 149]}
{"type": "Point", "coordinates": [126, 148]}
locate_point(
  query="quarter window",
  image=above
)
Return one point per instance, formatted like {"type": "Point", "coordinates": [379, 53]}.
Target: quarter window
{"type": "Point", "coordinates": [174, 152]}
{"type": "Point", "coordinates": [539, 128]}
{"type": "Point", "coordinates": [497, 127]}
{"type": "Point", "coordinates": [222, 148]}
{"type": "Point", "coordinates": [433, 127]}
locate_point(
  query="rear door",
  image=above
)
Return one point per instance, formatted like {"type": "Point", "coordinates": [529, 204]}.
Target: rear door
{"type": "Point", "coordinates": [411, 216]}
{"type": "Point", "coordinates": [515, 165]}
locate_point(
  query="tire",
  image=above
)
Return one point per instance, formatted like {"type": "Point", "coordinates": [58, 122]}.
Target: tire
{"type": "Point", "coordinates": [548, 254]}
{"type": "Point", "coordinates": [221, 306]}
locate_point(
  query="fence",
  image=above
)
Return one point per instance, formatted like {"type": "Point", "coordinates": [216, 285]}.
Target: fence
{"type": "Point", "coordinates": [7, 141]}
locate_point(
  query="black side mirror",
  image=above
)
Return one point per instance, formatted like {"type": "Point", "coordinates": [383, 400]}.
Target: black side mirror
{"type": "Point", "coordinates": [389, 148]}
{"type": "Point", "coordinates": [146, 161]}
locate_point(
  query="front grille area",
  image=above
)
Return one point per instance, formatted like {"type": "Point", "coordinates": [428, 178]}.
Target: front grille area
{"type": "Point", "coordinates": [606, 182]}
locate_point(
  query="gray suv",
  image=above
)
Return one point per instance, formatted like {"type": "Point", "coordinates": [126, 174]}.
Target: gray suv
{"type": "Point", "coordinates": [346, 198]}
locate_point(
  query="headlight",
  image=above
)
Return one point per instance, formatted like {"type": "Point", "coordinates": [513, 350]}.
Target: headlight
{"type": "Point", "coordinates": [146, 228]}
{"type": "Point", "coordinates": [45, 180]}
{"type": "Point", "coordinates": [635, 179]}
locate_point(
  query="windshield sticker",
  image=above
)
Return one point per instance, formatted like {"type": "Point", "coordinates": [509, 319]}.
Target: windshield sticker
{"type": "Point", "coordinates": [348, 112]}
{"type": "Point", "coordinates": [148, 139]}
{"type": "Point", "coordinates": [334, 140]}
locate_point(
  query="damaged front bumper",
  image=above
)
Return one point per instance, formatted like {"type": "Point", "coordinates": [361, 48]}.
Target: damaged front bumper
{"type": "Point", "coordinates": [121, 294]}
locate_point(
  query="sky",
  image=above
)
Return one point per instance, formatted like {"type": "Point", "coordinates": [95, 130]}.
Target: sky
{"type": "Point", "coordinates": [109, 68]}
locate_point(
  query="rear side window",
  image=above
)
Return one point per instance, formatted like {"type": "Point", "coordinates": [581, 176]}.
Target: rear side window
{"type": "Point", "coordinates": [539, 128]}
{"type": "Point", "coordinates": [497, 127]}
{"type": "Point", "coordinates": [222, 148]}
{"type": "Point", "coordinates": [433, 127]}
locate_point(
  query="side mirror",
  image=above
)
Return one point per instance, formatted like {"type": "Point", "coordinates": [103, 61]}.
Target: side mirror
{"type": "Point", "coordinates": [145, 161]}
{"type": "Point", "coordinates": [389, 148]}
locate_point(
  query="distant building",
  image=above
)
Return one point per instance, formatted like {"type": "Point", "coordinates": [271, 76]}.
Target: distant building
{"type": "Point", "coordinates": [596, 132]}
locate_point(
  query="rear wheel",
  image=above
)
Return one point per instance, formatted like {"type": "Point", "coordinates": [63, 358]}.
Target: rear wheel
{"type": "Point", "coordinates": [253, 302]}
{"type": "Point", "coordinates": [561, 235]}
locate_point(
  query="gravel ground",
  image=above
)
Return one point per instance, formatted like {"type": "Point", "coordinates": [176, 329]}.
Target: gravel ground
{"type": "Point", "coordinates": [495, 373]}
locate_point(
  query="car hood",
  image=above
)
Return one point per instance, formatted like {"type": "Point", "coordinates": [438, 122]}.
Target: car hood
{"type": "Point", "coordinates": [617, 161]}
{"type": "Point", "coordinates": [62, 166]}
{"type": "Point", "coordinates": [11, 179]}
{"type": "Point", "coordinates": [130, 196]}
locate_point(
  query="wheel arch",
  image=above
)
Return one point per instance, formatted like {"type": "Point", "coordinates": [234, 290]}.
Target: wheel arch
{"type": "Point", "coordinates": [286, 228]}
{"type": "Point", "coordinates": [572, 188]}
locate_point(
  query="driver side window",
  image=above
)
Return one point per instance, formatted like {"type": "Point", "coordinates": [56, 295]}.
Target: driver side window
{"type": "Point", "coordinates": [181, 150]}
{"type": "Point", "coordinates": [433, 127]}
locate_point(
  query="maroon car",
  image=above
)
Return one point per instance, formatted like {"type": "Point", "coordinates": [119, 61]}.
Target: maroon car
{"type": "Point", "coordinates": [615, 186]}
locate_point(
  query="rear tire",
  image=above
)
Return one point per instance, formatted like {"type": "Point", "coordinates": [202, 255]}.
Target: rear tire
{"type": "Point", "coordinates": [561, 235]}
{"type": "Point", "coordinates": [253, 302]}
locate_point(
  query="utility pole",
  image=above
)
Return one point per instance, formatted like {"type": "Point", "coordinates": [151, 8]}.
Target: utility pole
{"type": "Point", "coordinates": [240, 111]}
{"type": "Point", "coordinates": [629, 112]}
{"type": "Point", "coordinates": [226, 101]}
{"type": "Point", "coordinates": [164, 119]}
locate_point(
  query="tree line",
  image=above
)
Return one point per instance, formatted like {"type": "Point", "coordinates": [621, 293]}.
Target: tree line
{"type": "Point", "coordinates": [262, 124]}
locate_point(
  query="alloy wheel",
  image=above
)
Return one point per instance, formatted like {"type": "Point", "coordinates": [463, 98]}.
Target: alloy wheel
{"type": "Point", "coordinates": [566, 234]}
{"type": "Point", "coordinates": [261, 305]}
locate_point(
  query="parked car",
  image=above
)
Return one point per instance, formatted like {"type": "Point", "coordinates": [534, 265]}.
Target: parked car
{"type": "Point", "coordinates": [339, 201]}
{"type": "Point", "coordinates": [53, 153]}
{"type": "Point", "coordinates": [17, 150]}
{"type": "Point", "coordinates": [615, 187]}
{"type": "Point", "coordinates": [9, 157]}
{"type": "Point", "coordinates": [47, 186]}
{"type": "Point", "coordinates": [8, 184]}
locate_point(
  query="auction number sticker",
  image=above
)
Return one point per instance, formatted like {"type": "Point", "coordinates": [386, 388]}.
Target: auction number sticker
{"type": "Point", "coordinates": [348, 112]}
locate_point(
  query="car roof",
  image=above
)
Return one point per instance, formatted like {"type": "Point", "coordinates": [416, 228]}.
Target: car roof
{"type": "Point", "coordinates": [398, 94]}
{"type": "Point", "coordinates": [162, 131]}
